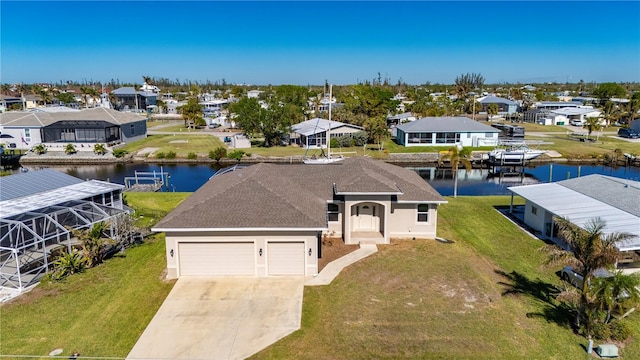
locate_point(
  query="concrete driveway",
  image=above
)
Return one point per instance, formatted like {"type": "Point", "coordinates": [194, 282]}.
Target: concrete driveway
{"type": "Point", "coordinates": [221, 318]}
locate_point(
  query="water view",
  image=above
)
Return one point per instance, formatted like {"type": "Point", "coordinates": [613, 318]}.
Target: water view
{"type": "Point", "coordinates": [189, 177]}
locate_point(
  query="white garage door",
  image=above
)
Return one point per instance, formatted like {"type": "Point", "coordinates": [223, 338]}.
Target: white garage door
{"type": "Point", "coordinates": [285, 258]}
{"type": "Point", "coordinates": [217, 258]}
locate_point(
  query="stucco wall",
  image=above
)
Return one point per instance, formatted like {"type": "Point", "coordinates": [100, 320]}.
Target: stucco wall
{"type": "Point", "coordinates": [260, 239]}
{"type": "Point", "coordinates": [403, 222]}
{"type": "Point", "coordinates": [536, 221]}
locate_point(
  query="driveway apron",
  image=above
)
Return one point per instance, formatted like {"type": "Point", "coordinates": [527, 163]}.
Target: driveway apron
{"type": "Point", "coordinates": [221, 318]}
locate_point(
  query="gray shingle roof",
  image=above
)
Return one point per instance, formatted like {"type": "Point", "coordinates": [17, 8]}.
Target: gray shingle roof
{"type": "Point", "coordinates": [290, 196]}
{"type": "Point", "coordinates": [34, 182]}
{"type": "Point", "coordinates": [446, 124]}
{"type": "Point", "coordinates": [20, 118]}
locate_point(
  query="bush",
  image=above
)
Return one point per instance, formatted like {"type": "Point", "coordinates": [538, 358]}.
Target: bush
{"type": "Point", "coordinates": [67, 264]}
{"type": "Point", "coordinates": [620, 331]}
{"type": "Point", "coordinates": [334, 143]}
{"type": "Point", "coordinates": [40, 149]}
{"type": "Point", "coordinates": [217, 154]}
{"type": "Point", "coordinates": [70, 149]}
{"type": "Point", "coordinates": [99, 149]}
{"type": "Point", "coordinates": [236, 154]}
{"type": "Point", "coordinates": [360, 138]}
{"type": "Point", "coordinates": [601, 331]}
{"type": "Point", "coordinates": [171, 155]}
{"type": "Point", "coordinates": [160, 155]}
{"type": "Point", "coordinates": [120, 153]}
{"type": "Point", "coordinates": [192, 156]}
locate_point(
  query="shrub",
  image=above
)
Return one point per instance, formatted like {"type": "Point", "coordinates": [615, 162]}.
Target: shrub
{"type": "Point", "coordinates": [99, 149]}
{"type": "Point", "coordinates": [334, 143]}
{"type": "Point", "coordinates": [360, 138]}
{"type": "Point", "coordinates": [160, 155]}
{"type": "Point", "coordinates": [70, 149]}
{"type": "Point", "coordinates": [192, 156]}
{"type": "Point", "coordinates": [171, 155]}
{"type": "Point", "coordinates": [67, 264]}
{"type": "Point", "coordinates": [601, 331]}
{"type": "Point", "coordinates": [236, 154]}
{"type": "Point", "coordinates": [218, 153]}
{"type": "Point", "coordinates": [40, 149]}
{"type": "Point", "coordinates": [620, 331]}
{"type": "Point", "coordinates": [120, 153]}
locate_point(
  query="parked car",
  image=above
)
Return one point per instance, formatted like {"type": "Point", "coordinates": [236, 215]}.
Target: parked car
{"type": "Point", "coordinates": [570, 275]}
{"type": "Point", "coordinates": [576, 122]}
{"type": "Point", "coordinates": [628, 133]}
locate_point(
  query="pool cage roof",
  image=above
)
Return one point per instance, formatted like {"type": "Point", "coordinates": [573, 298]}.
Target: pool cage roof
{"type": "Point", "coordinates": [34, 229]}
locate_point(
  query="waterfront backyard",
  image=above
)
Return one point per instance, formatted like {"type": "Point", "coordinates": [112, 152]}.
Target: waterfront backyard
{"type": "Point", "coordinates": [413, 299]}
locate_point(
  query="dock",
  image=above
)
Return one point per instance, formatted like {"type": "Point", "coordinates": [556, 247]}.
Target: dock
{"type": "Point", "coordinates": [147, 181]}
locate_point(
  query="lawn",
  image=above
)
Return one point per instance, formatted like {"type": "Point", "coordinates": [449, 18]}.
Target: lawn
{"type": "Point", "coordinates": [181, 144]}
{"type": "Point", "coordinates": [573, 148]}
{"type": "Point", "coordinates": [101, 312]}
{"type": "Point", "coordinates": [412, 299]}
{"type": "Point", "coordinates": [425, 299]}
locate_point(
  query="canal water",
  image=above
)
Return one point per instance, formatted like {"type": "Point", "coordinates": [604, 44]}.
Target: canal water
{"type": "Point", "coordinates": [189, 177]}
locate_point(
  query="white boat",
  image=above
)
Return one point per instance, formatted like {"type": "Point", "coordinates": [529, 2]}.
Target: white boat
{"type": "Point", "coordinates": [328, 158]}
{"type": "Point", "coordinates": [513, 153]}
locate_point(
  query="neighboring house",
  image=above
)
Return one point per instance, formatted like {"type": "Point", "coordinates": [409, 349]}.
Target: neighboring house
{"type": "Point", "coordinates": [505, 106]}
{"type": "Point", "coordinates": [38, 209]}
{"type": "Point", "coordinates": [553, 105]}
{"type": "Point", "coordinates": [635, 125]}
{"type": "Point", "coordinates": [6, 102]}
{"type": "Point", "coordinates": [446, 131]}
{"type": "Point", "coordinates": [31, 101]}
{"type": "Point", "coordinates": [543, 117]}
{"type": "Point", "coordinates": [581, 199]}
{"type": "Point", "coordinates": [573, 113]}
{"type": "Point", "coordinates": [313, 132]}
{"type": "Point", "coordinates": [254, 94]}
{"type": "Point", "coordinates": [396, 120]}
{"type": "Point", "coordinates": [88, 126]}
{"type": "Point", "coordinates": [213, 106]}
{"type": "Point", "coordinates": [127, 98]}
{"type": "Point", "coordinates": [270, 220]}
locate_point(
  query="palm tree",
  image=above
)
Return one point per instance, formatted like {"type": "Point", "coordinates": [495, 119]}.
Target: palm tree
{"type": "Point", "coordinates": [456, 156]}
{"type": "Point", "coordinates": [615, 292]}
{"type": "Point", "coordinates": [592, 124]}
{"type": "Point", "coordinates": [591, 249]}
{"type": "Point", "coordinates": [492, 110]}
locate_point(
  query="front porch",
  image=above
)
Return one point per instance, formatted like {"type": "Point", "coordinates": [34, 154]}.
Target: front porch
{"type": "Point", "coordinates": [367, 237]}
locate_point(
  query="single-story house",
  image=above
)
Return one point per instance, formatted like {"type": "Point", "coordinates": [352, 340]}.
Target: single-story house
{"type": "Point", "coordinates": [579, 200]}
{"type": "Point", "coordinates": [396, 120]}
{"type": "Point", "coordinates": [254, 94]}
{"type": "Point", "coordinates": [446, 131]}
{"type": "Point", "coordinates": [313, 133]}
{"type": "Point", "coordinates": [553, 105]}
{"type": "Point", "coordinates": [7, 102]}
{"type": "Point", "coordinates": [577, 113]}
{"type": "Point", "coordinates": [270, 219]}
{"type": "Point", "coordinates": [37, 211]}
{"type": "Point", "coordinates": [128, 98]}
{"type": "Point", "coordinates": [59, 128]}
{"type": "Point", "coordinates": [505, 106]}
{"type": "Point", "coordinates": [543, 117]}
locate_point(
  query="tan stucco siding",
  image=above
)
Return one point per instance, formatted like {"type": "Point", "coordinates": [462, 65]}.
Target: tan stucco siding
{"type": "Point", "coordinates": [404, 222]}
{"type": "Point", "coordinates": [260, 240]}
{"type": "Point", "coordinates": [383, 204]}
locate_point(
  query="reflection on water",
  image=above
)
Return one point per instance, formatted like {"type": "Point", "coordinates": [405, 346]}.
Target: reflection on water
{"type": "Point", "coordinates": [189, 177]}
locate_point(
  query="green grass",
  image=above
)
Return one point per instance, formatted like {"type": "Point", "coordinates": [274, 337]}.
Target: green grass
{"type": "Point", "coordinates": [101, 312]}
{"type": "Point", "coordinates": [181, 144]}
{"type": "Point", "coordinates": [424, 299]}
{"type": "Point", "coordinates": [412, 299]}
{"type": "Point", "coordinates": [573, 148]}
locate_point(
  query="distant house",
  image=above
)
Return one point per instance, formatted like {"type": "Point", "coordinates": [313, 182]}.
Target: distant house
{"type": "Point", "coordinates": [400, 119]}
{"type": "Point", "coordinates": [130, 99]}
{"type": "Point", "coordinates": [446, 131]}
{"type": "Point", "coordinates": [254, 94]}
{"type": "Point", "coordinates": [554, 105]}
{"type": "Point", "coordinates": [56, 129]}
{"type": "Point", "coordinates": [505, 106]}
{"type": "Point", "coordinates": [581, 199]}
{"type": "Point", "coordinates": [313, 133]}
{"type": "Point", "coordinates": [7, 102]}
{"type": "Point", "coordinates": [543, 117]}
{"type": "Point", "coordinates": [572, 113]}
{"type": "Point", "coordinates": [38, 210]}
{"type": "Point", "coordinates": [270, 220]}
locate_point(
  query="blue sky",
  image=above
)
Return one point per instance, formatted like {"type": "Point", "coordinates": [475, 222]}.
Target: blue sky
{"type": "Point", "coordinates": [304, 42]}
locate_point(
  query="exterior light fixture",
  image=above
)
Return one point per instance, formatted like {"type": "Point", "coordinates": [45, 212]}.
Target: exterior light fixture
{"type": "Point", "coordinates": [171, 252]}
{"type": "Point", "coordinates": [260, 252]}
{"type": "Point", "coordinates": [310, 251]}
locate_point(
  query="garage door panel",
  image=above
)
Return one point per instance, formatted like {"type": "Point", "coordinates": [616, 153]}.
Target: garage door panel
{"type": "Point", "coordinates": [210, 259]}
{"type": "Point", "coordinates": [286, 258]}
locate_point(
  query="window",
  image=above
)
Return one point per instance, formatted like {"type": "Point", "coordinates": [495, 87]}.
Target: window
{"type": "Point", "coordinates": [27, 135]}
{"type": "Point", "coordinates": [423, 213]}
{"type": "Point", "coordinates": [534, 210]}
{"type": "Point", "coordinates": [332, 212]}
{"type": "Point", "coordinates": [133, 129]}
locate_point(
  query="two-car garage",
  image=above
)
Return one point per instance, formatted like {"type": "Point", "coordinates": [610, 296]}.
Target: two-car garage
{"type": "Point", "coordinates": [261, 257]}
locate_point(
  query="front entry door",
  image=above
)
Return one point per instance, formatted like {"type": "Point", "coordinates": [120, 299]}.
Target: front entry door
{"type": "Point", "coordinates": [364, 220]}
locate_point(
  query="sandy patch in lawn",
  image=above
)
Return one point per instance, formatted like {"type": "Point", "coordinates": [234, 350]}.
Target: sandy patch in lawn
{"type": "Point", "coordinates": [178, 141]}
{"type": "Point", "coordinates": [147, 151]}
